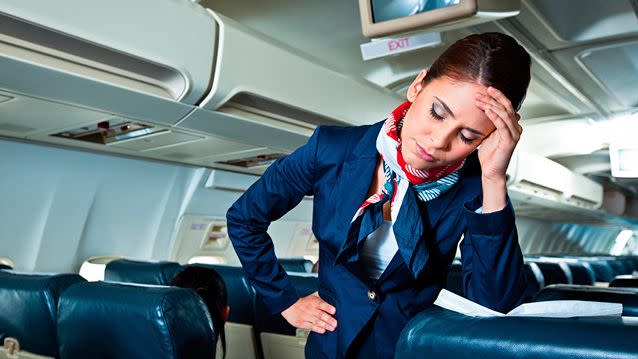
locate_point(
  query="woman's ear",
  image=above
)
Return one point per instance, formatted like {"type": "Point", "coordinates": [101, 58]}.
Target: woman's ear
{"type": "Point", "coordinates": [416, 86]}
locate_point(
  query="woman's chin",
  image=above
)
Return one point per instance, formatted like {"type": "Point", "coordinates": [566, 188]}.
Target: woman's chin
{"type": "Point", "coordinates": [418, 163]}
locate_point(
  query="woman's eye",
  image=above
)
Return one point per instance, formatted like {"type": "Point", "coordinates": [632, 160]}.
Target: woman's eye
{"type": "Point", "coordinates": [465, 140]}
{"type": "Point", "coordinates": [434, 114]}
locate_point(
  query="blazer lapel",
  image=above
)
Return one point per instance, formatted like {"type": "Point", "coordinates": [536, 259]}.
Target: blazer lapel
{"type": "Point", "coordinates": [355, 179]}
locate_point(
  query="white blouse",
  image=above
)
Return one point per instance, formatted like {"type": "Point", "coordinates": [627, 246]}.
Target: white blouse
{"type": "Point", "coordinates": [378, 250]}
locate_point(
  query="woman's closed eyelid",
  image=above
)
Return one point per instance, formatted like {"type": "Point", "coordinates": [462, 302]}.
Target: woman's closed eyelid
{"type": "Point", "coordinates": [435, 113]}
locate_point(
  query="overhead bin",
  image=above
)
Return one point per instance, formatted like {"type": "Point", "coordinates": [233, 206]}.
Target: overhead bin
{"type": "Point", "coordinates": [162, 48]}
{"type": "Point", "coordinates": [209, 91]}
{"type": "Point", "coordinates": [258, 75]}
{"type": "Point", "coordinates": [537, 183]}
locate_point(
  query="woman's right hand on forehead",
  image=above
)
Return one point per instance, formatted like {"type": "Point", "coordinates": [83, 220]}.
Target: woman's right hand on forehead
{"type": "Point", "coordinates": [312, 313]}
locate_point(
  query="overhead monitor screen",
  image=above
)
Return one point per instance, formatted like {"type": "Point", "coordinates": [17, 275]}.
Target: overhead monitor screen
{"type": "Point", "coordinates": [383, 10]}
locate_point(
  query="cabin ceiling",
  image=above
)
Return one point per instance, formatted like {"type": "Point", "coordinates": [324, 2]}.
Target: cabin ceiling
{"type": "Point", "coordinates": [584, 68]}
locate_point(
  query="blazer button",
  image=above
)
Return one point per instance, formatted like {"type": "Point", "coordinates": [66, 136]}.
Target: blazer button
{"type": "Point", "coordinates": [372, 295]}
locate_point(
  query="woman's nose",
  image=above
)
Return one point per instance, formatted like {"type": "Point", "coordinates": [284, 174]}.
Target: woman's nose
{"type": "Point", "coordinates": [440, 141]}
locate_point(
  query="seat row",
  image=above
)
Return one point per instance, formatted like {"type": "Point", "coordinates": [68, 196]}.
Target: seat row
{"type": "Point", "coordinates": [545, 271]}
{"type": "Point", "coordinates": [446, 334]}
{"type": "Point", "coordinates": [63, 316]}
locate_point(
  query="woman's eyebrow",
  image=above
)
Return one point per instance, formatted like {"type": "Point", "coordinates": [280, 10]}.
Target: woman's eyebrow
{"type": "Point", "coordinates": [475, 131]}
{"type": "Point", "coordinates": [445, 106]}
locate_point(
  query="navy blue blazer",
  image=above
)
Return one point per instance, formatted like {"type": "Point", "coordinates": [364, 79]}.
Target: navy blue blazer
{"type": "Point", "coordinates": [337, 166]}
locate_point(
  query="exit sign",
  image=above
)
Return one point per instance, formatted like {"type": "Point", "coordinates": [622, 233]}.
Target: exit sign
{"type": "Point", "coordinates": [397, 45]}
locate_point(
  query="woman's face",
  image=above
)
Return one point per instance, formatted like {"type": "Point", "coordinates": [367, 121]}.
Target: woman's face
{"type": "Point", "coordinates": [443, 125]}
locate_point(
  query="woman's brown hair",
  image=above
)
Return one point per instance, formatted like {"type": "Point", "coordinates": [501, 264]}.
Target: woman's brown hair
{"type": "Point", "coordinates": [491, 59]}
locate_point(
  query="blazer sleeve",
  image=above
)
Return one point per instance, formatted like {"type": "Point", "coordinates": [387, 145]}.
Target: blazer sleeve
{"type": "Point", "coordinates": [492, 261]}
{"type": "Point", "coordinates": [282, 186]}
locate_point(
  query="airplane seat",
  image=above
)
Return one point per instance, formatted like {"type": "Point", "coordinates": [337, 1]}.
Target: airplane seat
{"type": "Point", "coordinates": [603, 271]}
{"type": "Point", "coordinates": [535, 280]}
{"type": "Point", "coordinates": [618, 267]}
{"type": "Point", "coordinates": [6, 263]}
{"type": "Point", "coordinates": [241, 295]}
{"type": "Point", "coordinates": [296, 265]}
{"type": "Point", "coordinates": [141, 272]}
{"type": "Point", "coordinates": [454, 282]}
{"type": "Point", "coordinates": [633, 263]}
{"type": "Point", "coordinates": [624, 281]}
{"type": "Point", "coordinates": [629, 266]}
{"type": "Point", "coordinates": [582, 273]}
{"type": "Point", "coordinates": [241, 341]}
{"type": "Point", "coordinates": [445, 334]}
{"type": "Point", "coordinates": [628, 297]}
{"type": "Point", "coordinates": [280, 340]}
{"type": "Point", "coordinates": [553, 273]}
{"type": "Point", "coordinates": [28, 308]}
{"type": "Point", "coordinates": [122, 320]}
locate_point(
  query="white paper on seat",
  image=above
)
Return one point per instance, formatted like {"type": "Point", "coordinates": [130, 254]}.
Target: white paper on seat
{"type": "Point", "coordinates": [551, 309]}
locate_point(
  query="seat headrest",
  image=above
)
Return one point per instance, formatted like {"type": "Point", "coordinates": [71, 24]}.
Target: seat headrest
{"type": "Point", "coordinates": [241, 295]}
{"type": "Point", "coordinates": [628, 297]}
{"type": "Point", "coordinates": [28, 308]}
{"type": "Point", "coordinates": [535, 281]}
{"type": "Point", "coordinates": [582, 273]}
{"type": "Point", "coordinates": [554, 273]}
{"type": "Point", "coordinates": [116, 320]}
{"type": "Point", "coordinates": [296, 265]}
{"type": "Point", "coordinates": [603, 271]}
{"type": "Point", "coordinates": [445, 334]}
{"type": "Point", "coordinates": [141, 272]}
{"type": "Point", "coordinates": [632, 262]}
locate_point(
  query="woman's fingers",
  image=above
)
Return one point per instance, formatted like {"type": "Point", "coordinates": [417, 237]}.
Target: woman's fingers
{"type": "Point", "coordinates": [313, 313]}
{"type": "Point", "coordinates": [502, 128]}
{"type": "Point", "coordinates": [503, 109]}
{"type": "Point", "coordinates": [504, 115]}
{"type": "Point", "coordinates": [502, 99]}
{"type": "Point", "coordinates": [327, 319]}
{"type": "Point", "coordinates": [316, 321]}
{"type": "Point", "coordinates": [319, 314]}
{"type": "Point", "coordinates": [323, 305]}
{"type": "Point", "coordinates": [317, 329]}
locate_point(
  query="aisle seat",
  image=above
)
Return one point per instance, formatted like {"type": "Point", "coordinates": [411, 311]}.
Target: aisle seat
{"type": "Point", "coordinates": [116, 320]}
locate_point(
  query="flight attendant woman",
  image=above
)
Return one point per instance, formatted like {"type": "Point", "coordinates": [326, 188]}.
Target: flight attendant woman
{"type": "Point", "coordinates": [391, 201]}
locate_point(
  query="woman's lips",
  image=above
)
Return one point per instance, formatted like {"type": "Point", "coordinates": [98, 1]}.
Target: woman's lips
{"type": "Point", "coordinates": [424, 155]}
